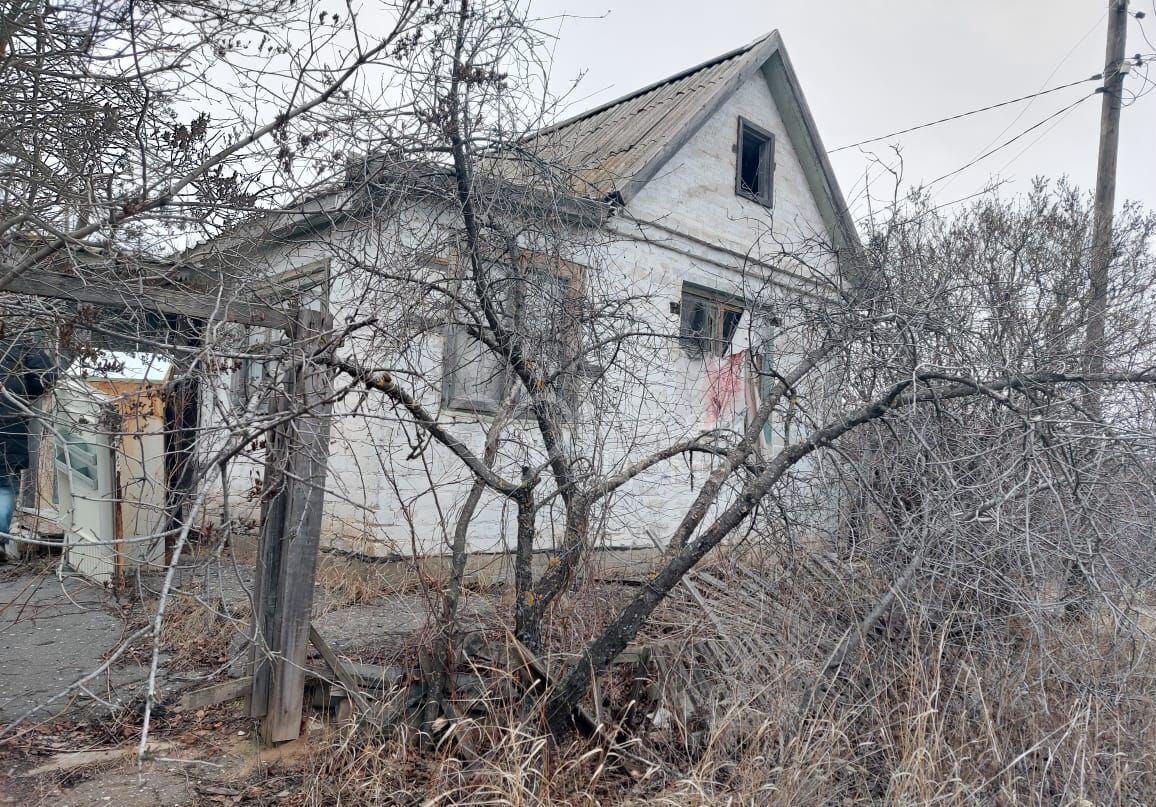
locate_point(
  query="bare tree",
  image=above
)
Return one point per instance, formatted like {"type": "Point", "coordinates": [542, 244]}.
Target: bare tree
{"type": "Point", "coordinates": [128, 124]}
{"type": "Point", "coordinates": [924, 400]}
{"type": "Point", "coordinates": [461, 214]}
{"type": "Point", "coordinates": [978, 316]}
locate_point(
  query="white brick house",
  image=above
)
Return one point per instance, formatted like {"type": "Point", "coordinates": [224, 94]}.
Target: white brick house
{"type": "Point", "coordinates": [684, 197]}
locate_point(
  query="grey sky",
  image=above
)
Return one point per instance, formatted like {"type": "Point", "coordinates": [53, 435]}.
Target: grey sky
{"type": "Point", "coordinates": [869, 67]}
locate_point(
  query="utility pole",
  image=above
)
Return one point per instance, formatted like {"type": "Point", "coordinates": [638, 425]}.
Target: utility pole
{"type": "Point", "coordinates": [1078, 587]}
{"type": "Point", "coordinates": [1114, 72]}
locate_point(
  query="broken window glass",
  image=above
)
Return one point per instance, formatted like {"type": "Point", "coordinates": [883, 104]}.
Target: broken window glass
{"type": "Point", "coordinates": [709, 323]}
{"type": "Point", "coordinates": [756, 163]}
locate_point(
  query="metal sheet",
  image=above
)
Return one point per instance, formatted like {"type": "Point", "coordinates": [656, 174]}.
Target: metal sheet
{"type": "Point", "coordinates": [614, 143]}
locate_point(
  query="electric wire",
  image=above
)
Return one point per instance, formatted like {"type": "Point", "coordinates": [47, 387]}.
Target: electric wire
{"type": "Point", "coordinates": [1143, 33]}
{"type": "Point", "coordinates": [965, 114]}
{"type": "Point", "coordinates": [1145, 88]}
{"type": "Point", "coordinates": [1128, 97]}
{"type": "Point", "coordinates": [1008, 142]}
{"type": "Point", "coordinates": [1032, 144]}
{"type": "Point", "coordinates": [981, 192]}
{"type": "Point", "coordinates": [1063, 60]}
{"type": "Point", "coordinates": [1056, 116]}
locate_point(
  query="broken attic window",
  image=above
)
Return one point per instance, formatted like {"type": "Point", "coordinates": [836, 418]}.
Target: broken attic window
{"type": "Point", "coordinates": [756, 163]}
{"type": "Point", "coordinates": [709, 322]}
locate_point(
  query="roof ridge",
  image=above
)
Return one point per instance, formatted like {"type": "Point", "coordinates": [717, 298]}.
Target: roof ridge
{"type": "Point", "coordinates": [553, 127]}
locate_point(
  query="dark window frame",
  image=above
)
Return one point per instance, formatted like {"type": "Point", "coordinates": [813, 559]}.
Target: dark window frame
{"type": "Point", "coordinates": [765, 193]}
{"type": "Point", "coordinates": [715, 306]}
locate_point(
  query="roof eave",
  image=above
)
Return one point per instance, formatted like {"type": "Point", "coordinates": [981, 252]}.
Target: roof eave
{"type": "Point", "coordinates": [759, 52]}
{"type": "Point", "coordinates": [804, 135]}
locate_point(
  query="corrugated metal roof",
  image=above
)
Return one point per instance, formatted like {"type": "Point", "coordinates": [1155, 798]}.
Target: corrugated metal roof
{"type": "Point", "coordinates": [611, 144]}
{"type": "Point", "coordinates": [606, 154]}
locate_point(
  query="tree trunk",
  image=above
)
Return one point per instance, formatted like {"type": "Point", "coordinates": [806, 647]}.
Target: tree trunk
{"type": "Point", "coordinates": [527, 617]}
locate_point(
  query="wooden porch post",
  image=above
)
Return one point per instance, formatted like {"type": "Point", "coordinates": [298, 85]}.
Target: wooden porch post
{"type": "Point", "coordinates": [291, 532]}
{"type": "Point", "coordinates": [182, 402]}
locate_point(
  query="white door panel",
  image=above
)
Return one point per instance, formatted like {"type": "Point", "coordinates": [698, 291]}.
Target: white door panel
{"type": "Point", "coordinates": [86, 479]}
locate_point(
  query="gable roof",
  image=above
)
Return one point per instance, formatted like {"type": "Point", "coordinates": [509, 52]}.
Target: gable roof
{"type": "Point", "coordinates": [611, 151]}
{"type": "Point", "coordinates": [605, 154]}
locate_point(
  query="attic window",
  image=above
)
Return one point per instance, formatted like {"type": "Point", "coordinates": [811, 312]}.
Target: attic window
{"type": "Point", "coordinates": [755, 175]}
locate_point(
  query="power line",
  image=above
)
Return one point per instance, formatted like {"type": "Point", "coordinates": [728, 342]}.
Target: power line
{"type": "Point", "coordinates": [981, 192]}
{"type": "Point", "coordinates": [1139, 60]}
{"type": "Point", "coordinates": [1060, 113]}
{"type": "Point", "coordinates": [1063, 114]}
{"type": "Point", "coordinates": [1008, 142]}
{"type": "Point", "coordinates": [1030, 98]}
{"type": "Point", "coordinates": [1146, 90]}
{"type": "Point", "coordinates": [1139, 17]}
{"type": "Point", "coordinates": [1011, 125]}
{"type": "Point", "coordinates": [967, 114]}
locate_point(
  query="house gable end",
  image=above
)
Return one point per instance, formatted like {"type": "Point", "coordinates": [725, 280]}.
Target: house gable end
{"type": "Point", "coordinates": [696, 192]}
{"type": "Point", "coordinates": [766, 62]}
{"type": "Point", "coordinates": [804, 135]}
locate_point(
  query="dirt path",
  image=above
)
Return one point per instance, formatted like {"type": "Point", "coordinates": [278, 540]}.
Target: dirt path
{"type": "Point", "coordinates": [52, 632]}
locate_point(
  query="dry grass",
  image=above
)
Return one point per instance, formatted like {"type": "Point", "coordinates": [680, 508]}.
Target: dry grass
{"type": "Point", "coordinates": [496, 754]}
{"type": "Point", "coordinates": [959, 708]}
{"type": "Point", "coordinates": [348, 581]}
{"type": "Point", "coordinates": [921, 726]}
{"type": "Point", "coordinates": [520, 767]}
{"type": "Point", "coordinates": [950, 706]}
{"type": "Point", "coordinates": [197, 633]}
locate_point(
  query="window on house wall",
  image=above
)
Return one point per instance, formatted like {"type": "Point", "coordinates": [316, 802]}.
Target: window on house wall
{"type": "Point", "coordinates": [709, 321]}
{"type": "Point", "coordinates": [256, 376]}
{"type": "Point", "coordinates": [254, 381]}
{"type": "Point", "coordinates": [476, 379]}
{"type": "Point", "coordinates": [538, 304]}
{"type": "Point", "coordinates": [755, 172]}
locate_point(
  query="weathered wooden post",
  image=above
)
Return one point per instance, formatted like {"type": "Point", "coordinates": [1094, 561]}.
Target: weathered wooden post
{"type": "Point", "coordinates": [296, 462]}
{"type": "Point", "coordinates": [182, 406]}
{"type": "Point", "coordinates": [298, 456]}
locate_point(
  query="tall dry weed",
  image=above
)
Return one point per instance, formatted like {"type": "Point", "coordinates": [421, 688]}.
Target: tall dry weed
{"type": "Point", "coordinates": [959, 704]}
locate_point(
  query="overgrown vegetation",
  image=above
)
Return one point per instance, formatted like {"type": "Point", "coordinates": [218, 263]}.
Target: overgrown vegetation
{"type": "Point", "coordinates": [917, 571]}
{"type": "Point", "coordinates": [965, 705]}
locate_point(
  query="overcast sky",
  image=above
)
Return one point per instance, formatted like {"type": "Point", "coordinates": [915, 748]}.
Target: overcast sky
{"type": "Point", "coordinates": [869, 67]}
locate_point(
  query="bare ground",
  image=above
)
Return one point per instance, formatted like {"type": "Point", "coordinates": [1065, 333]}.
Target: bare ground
{"type": "Point", "coordinates": [53, 631]}
{"type": "Point", "coordinates": [80, 748]}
